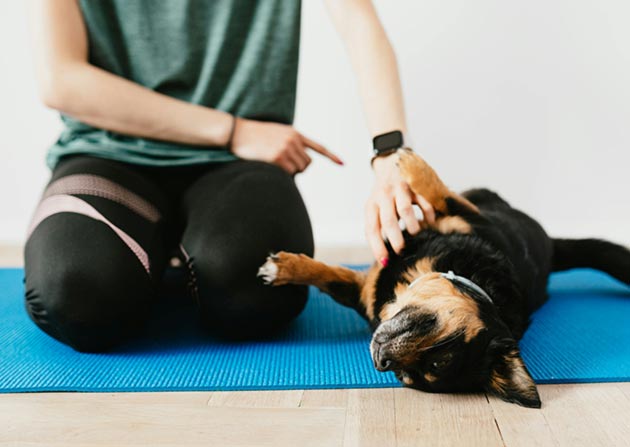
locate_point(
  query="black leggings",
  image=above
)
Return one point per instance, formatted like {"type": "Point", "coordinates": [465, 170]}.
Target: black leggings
{"type": "Point", "coordinates": [104, 231]}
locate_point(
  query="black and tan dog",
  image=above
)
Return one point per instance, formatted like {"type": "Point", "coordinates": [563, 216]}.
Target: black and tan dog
{"type": "Point", "coordinates": [448, 312]}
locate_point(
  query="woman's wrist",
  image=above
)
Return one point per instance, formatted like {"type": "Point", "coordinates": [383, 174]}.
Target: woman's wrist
{"type": "Point", "coordinates": [384, 164]}
{"type": "Point", "coordinates": [230, 142]}
{"type": "Point", "coordinates": [213, 128]}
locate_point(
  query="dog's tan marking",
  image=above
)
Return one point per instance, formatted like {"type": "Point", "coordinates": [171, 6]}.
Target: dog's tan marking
{"type": "Point", "coordinates": [498, 382]}
{"type": "Point", "coordinates": [452, 224]}
{"type": "Point", "coordinates": [430, 377]}
{"type": "Point", "coordinates": [421, 267]}
{"type": "Point", "coordinates": [368, 292]}
{"type": "Point", "coordinates": [406, 379]}
{"type": "Point", "coordinates": [423, 180]}
{"type": "Point", "coordinates": [456, 311]}
{"type": "Point", "coordinates": [430, 285]}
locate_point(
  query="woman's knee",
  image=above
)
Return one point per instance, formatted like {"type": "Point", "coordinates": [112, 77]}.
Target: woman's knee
{"type": "Point", "coordinates": [234, 303]}
{"type": "Point", "coordinates": [260, 211]}
{"type": "Point", "coordinates": [84, 313]}
{"type": "Point", "coordinates": [278, 208]}
{"type": "Point", "coordinates": [90, 302]}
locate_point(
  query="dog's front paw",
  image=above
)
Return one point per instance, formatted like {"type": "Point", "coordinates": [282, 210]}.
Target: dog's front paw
{"type": "Point", "coordinates": [269, 270]}
{"type": "Point", "coordinates": [280, 268]}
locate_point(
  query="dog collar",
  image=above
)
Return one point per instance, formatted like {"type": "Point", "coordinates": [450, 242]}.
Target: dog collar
{"type": "Point", "coordinates": [459, 280]}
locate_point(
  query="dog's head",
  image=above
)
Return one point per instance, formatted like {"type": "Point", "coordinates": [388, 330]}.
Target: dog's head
{"type": "Point", "coordinates": [441, 336]}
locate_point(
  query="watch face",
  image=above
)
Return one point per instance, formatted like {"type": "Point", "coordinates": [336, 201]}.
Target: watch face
{"type": "Point", "coordinates": [390, 140]}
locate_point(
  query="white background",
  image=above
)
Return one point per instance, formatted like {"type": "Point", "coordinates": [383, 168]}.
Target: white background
{"type": "Point", "coordinates": [530, 98]}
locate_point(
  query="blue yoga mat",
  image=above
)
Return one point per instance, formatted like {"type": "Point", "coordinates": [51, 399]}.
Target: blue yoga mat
{"type": "Point", "coordinates": [581, 335]}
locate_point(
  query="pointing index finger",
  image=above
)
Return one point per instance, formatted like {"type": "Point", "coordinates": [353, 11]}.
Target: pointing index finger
{"type": "Point", "coordinates": [321, 149]}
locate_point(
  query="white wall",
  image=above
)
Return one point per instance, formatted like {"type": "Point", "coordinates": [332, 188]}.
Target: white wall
{"type": "Point", "coordinates": [26, 128]}
{"type": "Point", "coordinates": [529, 98]}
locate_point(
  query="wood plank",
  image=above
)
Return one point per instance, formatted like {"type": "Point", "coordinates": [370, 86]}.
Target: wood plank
{"type": "Point", "coordinates": [325, 399]}
{"type": "Point", "coordinates": [571, 416]}
{"type": "Point", "coordinates": [256, 399]}
{"type": "Point", "coordinates": [609, 408]}
{"type": "Point", "coordinates": [78, 422]}
{"type": "Point", "coordinates": [624, 387]}
{"type": "Point", "coordinates": [521, 426]}
{"type": "Point", "coordinates": [370, 418]}
{"type": "Point", "coordinates": [426, 419]}
{"type": "Point", "coordinates": [199, 398]}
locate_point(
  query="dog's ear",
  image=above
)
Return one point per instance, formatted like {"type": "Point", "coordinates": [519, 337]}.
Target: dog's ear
{"type": "Point", "coordinates": [509, 378]}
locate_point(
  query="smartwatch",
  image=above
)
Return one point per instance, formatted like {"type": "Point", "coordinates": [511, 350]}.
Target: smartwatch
{"type": "Point", "coordinates": [387, 143]}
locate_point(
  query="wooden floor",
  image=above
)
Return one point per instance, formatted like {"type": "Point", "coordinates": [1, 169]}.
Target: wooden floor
{"type": "Point", "coordinates": [572, 415]}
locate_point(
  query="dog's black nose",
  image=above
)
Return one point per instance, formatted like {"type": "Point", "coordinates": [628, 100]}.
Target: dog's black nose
{"type": "Point", "coordinates": [384, 364]}
{"type": "Point", "coordinates": [383, 361]}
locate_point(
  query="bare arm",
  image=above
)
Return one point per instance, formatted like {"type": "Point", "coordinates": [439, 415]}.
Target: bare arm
{"type": "Point", "coordinates": [70, 84]}
{"type": "Point", "coordinates": [374, 64]}
{"type": "Point", "coordinates": [373, 61]}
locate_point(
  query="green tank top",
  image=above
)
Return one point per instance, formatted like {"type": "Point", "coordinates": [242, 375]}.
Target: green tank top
{"type": "Point", "coordinates": [239, 56]}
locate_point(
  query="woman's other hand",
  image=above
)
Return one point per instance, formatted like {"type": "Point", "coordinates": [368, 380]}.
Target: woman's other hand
{"type": "Point", "coordinates": [275, 143]}
{"type": "Point", "coordinates": [391, 200]}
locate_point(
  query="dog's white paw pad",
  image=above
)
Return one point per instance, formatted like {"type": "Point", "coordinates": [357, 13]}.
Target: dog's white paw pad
{"type": "Point", "coordinates": [269, 270]}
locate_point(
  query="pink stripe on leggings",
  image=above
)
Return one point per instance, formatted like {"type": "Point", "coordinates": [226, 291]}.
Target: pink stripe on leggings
{"type": "Point", "coordinates": [95, 185]}
{"type": "Point", "coordinates": [69, 204]}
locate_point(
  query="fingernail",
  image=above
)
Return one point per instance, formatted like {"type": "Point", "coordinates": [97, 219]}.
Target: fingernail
{"type": "Point", "coordinates": [340, 162]}
{"type": "Point", "coordinates": [384, 262]}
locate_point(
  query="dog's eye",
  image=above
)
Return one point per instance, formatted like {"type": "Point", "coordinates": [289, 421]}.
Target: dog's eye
{"type": "Point", "coordinates": [442, 362]}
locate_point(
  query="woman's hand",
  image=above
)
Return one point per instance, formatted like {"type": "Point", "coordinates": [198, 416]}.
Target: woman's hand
{"type": "Point", "coordinates": [275, 143]}
{"type": "Point", "coordinates": [391, 199]}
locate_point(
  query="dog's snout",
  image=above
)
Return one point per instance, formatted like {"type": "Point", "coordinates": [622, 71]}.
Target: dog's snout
{"type": "Point", "coordinates": [408, 322]}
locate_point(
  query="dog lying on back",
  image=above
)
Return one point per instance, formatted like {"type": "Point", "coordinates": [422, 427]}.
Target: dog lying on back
{"type": "Point", "coordinates": [448, 312]}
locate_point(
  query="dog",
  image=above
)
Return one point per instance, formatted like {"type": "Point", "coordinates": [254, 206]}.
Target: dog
{"type": "Point", "coordinates": [448, 312]}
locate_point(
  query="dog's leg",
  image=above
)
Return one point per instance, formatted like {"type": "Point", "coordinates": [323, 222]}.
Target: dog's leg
{"type": "Point", "coordinates": [343, 284]}
{"type": "Point", "coordinates": [423, 180]}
